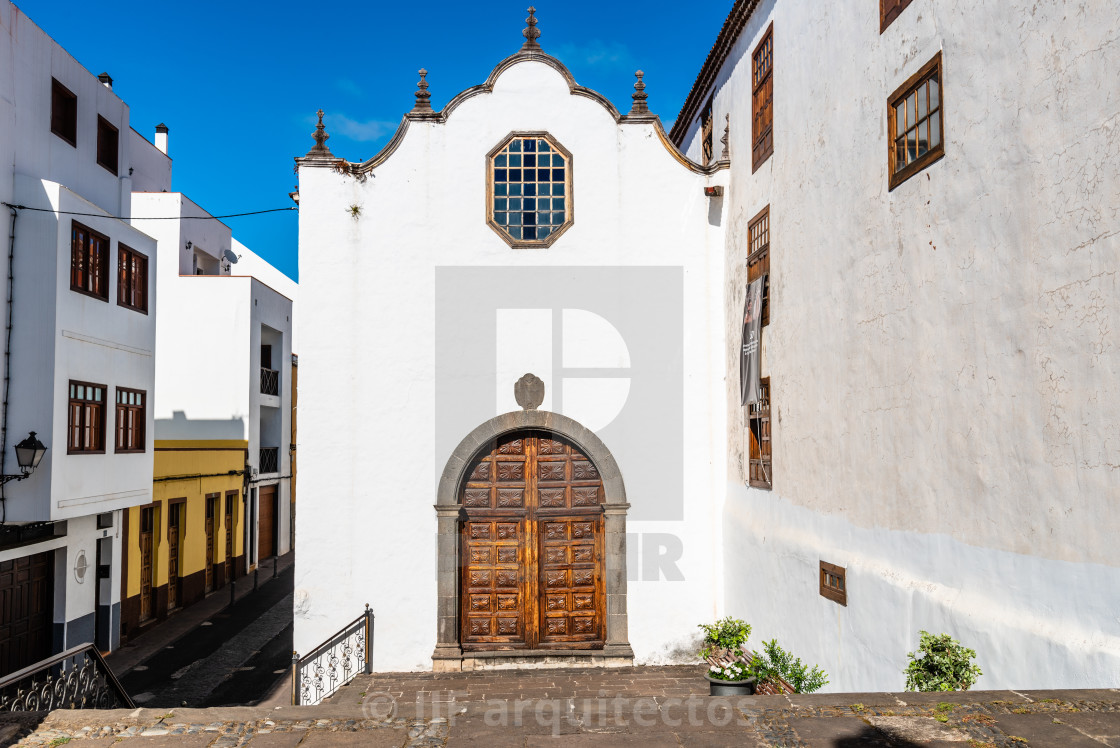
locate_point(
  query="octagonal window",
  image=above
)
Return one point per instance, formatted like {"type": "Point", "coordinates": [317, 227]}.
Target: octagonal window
{"type": "Point", "coordinates": [530, 180]}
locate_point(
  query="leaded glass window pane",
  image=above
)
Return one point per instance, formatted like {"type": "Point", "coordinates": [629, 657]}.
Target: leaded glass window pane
{"type": "Point", "coordinates": [525, 168]}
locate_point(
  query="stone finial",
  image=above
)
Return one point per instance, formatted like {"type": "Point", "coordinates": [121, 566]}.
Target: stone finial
{"type": "Point", "coordinates": [529, 392]}
{"type": "Point", "coordinates": [321, 137]}
{"type": "Point", "coordinates": [423, 98]}
{"type": "Point", "coordinates": [726, 140]}
{"type": "Point", "coordinates": [639, 96]}
{"type": "Point", "coordinates": [531, 32]}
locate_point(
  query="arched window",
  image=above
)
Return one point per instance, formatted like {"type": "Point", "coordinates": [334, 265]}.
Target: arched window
{"type": "Point", "coordinates": [530, 187]}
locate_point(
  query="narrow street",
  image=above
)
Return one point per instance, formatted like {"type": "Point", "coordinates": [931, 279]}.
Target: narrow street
{"type": "Point", "coordinates": [236, 656]}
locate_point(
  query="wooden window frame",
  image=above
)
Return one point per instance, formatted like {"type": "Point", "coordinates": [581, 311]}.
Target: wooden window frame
{"type": "Point", "coordinates": [500, 187]}
{"type": "Point", "coordinates": [105, 130]}
{"type": "Point", "coordinates": [767, 459]}
{"type": "Point", "coordinates": [890, 10]}
{"type": "Point", "coordinates": [140, 422]}
{"type": "Point", "coordinates": [75, 448]}
{"type": "Point", "coordinates": [127, 260]}
{"type": "Point", "coordinates": [64, 124]}
{"type": "Point", "coordinates": [762, 140]}
{"type": "Point", "coordinates": [707, 139]}
{"type": "Point", "coordinates": [758, 258]}
{"type": "Point", "coordinates": [933, 155]}
{"type": "Point", "coordinates": [836, 592]}
{"type": "Point", "coordinates": [80, 264]}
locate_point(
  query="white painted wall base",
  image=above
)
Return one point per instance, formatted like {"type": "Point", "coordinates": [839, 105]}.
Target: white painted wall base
{"type": "Point", "coordinates": [1032, 621]}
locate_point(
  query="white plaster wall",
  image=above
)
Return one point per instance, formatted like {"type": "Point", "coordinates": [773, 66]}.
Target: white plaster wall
{"type": "Point", "coordinates": [250, 263]}
{"type": "Point", "coordinates": [30, 59]}
{"type": "Point", "coordinates": [78, 337]}
{"type": "Point", "coordinates": [208, 367]}
{"type": "Point", "coordinates": [151, 166]}
{"type": "Point", "coordinates": [273, 310]}
{"type": "Point", "coordinates": [203, 368]}
{"type": "Point", "coordinates": [942, 359]}
{"type": "Point", "coordinates": [367, 469]}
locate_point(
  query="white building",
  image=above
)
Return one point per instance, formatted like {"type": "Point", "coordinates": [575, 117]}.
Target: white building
{"type": "Point", "coordinates": [938, 348]}
{"type": "Point", "coordinates": [225, 349]}
{"type": "Point", "coordinates": [941, 341]}
{"type": "Point", "coordinates": [429, 289]}
{"type": "Point", "coordinates": [79, 366]}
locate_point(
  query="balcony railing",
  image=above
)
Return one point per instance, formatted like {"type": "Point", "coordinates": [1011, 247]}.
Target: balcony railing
{"type": "Point", "coordinates": [270, 382]}
{"type": "Point", "coordinates": [270, 460]}
{"type": "Point", "coordinates": [334, 663]}
{"type": "Point", "coordinates": [75, 679]}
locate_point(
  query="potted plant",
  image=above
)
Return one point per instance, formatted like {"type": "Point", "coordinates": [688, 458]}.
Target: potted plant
{"type": "Point", "coordinates": [727, 660]}
{"type": "Point", "coordinates": [778, 671]}
{"type": "Point", "coordinates": [941, 664]}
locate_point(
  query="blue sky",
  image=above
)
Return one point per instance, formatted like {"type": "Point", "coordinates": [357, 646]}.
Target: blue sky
{"type": "Point", "coordinates": [238, 83]}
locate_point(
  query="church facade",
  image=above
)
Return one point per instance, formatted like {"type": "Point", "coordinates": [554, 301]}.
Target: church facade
{"type": "Point", "coordinates": [528, 228]}
{"type": "Point", "coordinates": [572, 385]}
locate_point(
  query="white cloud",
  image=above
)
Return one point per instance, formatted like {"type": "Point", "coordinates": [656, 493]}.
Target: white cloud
{"type": "Point", "coordinates": [597, 53]}
{"type": "Point", "coordinates": [353, 129]}
{"type": "Point", "coordinates": [348, 86]}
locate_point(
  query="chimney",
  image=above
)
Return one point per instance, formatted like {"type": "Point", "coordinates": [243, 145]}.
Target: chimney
{"type": "Point", "coordinates": [161, 137]}
{"type": "Point", "coordinates": [106, 81]}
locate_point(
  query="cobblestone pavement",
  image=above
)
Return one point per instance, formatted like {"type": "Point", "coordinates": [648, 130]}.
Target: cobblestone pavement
{"type": "Point", "coordinates": [650, 707]}
{"type": "Point", "coordinates": [232, 655]}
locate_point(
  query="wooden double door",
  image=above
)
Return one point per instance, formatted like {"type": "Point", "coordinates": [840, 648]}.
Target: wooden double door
{"type": "Point", "coordinates": [26, 611]}
{"type": "Point", "coordinates": [532, 547]}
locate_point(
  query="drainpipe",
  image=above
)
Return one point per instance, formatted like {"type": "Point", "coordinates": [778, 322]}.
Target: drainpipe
{"type": "Point", "coordinates": [7, 361]}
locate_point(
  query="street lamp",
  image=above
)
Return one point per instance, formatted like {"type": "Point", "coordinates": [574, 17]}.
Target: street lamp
{"type": "Point", "coordinates": [29, 453]}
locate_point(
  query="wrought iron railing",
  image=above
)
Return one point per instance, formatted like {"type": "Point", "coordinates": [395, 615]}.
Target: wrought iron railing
{"type": "Point", "coordinates": [270, 382]}
{"type": "Point", "coordinates": [334, 663]}
{"type": "Point", "coordinates": [75, 679]}
{"type": "Point", "coordinates": [270, 460]}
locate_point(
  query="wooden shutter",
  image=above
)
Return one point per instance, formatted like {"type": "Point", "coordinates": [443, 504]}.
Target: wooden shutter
{"type": "Point", "coordinates": [763, 98]}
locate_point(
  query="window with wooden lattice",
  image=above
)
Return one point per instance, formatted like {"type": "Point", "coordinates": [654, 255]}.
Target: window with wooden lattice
{"type": "Point", "coordinates": [758, 259]}
{"type": "Point", "coordinates": [108, 144]}
{"type": "Point", "coordinates": [763, 98]}
{"type": "Point", "coordinates": [86, 420]}
{"type": "Point", "coordinates": [64, 113]}
{"type": "Point", "coordinates": [89, 261]}
{"type": "Point", "coordinates": [834, 583]}
{"type": "Point", "coordinates": [890, 10]}
{"type": "Point", "coordinates": [916, 123]}
{"type": "Point", "coordinates": [758, 421]}
{"type": "Point", "coordinates": [131, 420]}
{"type": "Point", "coordinates": [132, 279]}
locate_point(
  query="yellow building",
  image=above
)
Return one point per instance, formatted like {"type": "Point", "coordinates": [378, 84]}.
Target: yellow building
{"type": "Point", "coordinates": [190, 540]}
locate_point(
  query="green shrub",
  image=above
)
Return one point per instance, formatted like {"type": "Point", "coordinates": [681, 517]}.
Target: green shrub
{"type": "Point", "coordinates": [727, 633]}
{"type": "Point", "coordinates": [775, 662]}
{"type": "Point", "coordinates": [941, 664]}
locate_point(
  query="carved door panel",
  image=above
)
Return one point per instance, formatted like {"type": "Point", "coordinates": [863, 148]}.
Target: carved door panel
{"type": "Point", "coordinates": [494, 585]}
{"type": "Point", "coordinates": [570, 522]}
{"type": "Point", "coordinates": [531, 542]}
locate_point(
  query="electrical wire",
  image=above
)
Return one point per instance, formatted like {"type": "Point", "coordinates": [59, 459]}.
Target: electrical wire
{"type": "Point", "coordinates": [152, 218]}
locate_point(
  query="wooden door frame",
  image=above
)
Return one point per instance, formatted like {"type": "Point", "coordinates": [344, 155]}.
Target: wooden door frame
{"type": "Point", "coordinates": [448, 654]}
{"type": "Point", "coordinates": [181, 503]}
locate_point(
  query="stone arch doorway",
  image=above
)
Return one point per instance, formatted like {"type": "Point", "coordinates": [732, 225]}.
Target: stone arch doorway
{"type": "Point", "coordinates": [532, 546]}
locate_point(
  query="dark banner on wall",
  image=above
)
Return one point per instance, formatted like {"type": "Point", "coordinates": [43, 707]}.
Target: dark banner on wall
{"type": "Point", "coordinates": [750, 376]}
